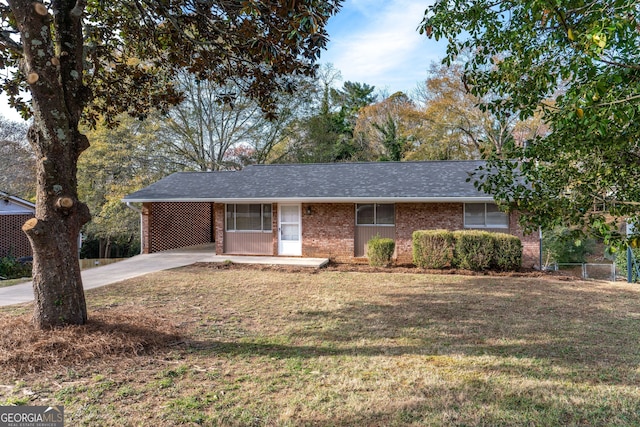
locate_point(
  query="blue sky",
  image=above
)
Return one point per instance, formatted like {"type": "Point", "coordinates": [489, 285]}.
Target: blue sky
{"type": "Point", "coordinates": [371, 41]}
{"type": "Point", "coordinates": [377, 42]}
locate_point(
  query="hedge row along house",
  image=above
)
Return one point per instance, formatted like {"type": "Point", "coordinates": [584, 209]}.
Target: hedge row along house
{"type": "Point", "coordinates": [319, 210]}
{"type": "Point", "coordinates": [14, 212]}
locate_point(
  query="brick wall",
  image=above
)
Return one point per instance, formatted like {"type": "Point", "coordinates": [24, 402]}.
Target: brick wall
{"type": "Point", "coordinates": [450, 216]}
{"type": "Point", "coordinates": [176, 225]}
{"type": "Point", "coordinates": [146, 232]}
{"type": "Point", "coordinates": [218, 214]}
{"type": "Point", "coordinates": [12, 239]}
{"type": "Point", "coordinates": [329, 231]}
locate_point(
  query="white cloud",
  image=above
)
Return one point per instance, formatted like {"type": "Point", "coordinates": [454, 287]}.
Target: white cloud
{"type": "Point", "coordinates": [378, 43]}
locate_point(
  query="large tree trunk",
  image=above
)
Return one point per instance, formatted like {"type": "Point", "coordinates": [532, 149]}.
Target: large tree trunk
{"type": "Point", "coordinates": [57, 284]}
{"type": "Point", "coordinates": [53, 69]}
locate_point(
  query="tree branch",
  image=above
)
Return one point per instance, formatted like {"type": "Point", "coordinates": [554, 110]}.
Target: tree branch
{"type": "Point", "coordinates": [618, 64]}
{"type": "Point", "coordinates": [620, 101]}
{"type": "Point", "coordinates": [583, 9]}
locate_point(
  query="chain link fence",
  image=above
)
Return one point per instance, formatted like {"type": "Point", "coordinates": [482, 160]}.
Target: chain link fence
{"type": "Point", "coordinates": [586, 270]}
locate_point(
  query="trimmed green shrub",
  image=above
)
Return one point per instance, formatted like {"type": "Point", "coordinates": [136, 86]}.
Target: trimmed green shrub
{"type": "Point", "coordinates": [508, 252]}
{"type": "Point", "coordinates": [433, 248]}
{"type": "Point", "coordinates": [380, 250]}
{"type": "Point", "coordinates": [475, 250]}
{"type": "Point", "coordinates": [469, 249]}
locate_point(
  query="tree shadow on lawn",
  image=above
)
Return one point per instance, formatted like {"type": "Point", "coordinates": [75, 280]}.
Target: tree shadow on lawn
{"type": "Point", "coordinates": [512, 411]}
{"type": "Point", "coordinates": [442, 406]}
{"type": "Point", "coordinates": [574, 326]}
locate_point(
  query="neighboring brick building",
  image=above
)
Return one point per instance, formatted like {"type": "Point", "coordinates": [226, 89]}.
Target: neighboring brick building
{"type": "Point", "coordinates": [319, 210]}
{"type": "Point", "coordinates": [14, 212]}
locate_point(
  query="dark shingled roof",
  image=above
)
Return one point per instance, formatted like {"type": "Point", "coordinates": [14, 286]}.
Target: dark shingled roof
{"type": "Point", "coordinates": [390, 181]}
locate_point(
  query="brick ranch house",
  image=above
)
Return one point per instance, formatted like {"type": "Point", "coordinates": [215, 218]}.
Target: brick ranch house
{"type": "Point", "coordinates": [14, 212]}
{"type": "Point", "coordinates": [319, 210]}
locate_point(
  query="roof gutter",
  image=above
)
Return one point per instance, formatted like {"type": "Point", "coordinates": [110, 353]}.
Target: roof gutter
{"type": "Point", "coordinates": [478, 199]}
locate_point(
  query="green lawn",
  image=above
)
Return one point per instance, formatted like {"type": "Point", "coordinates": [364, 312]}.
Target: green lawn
{"type": "Point", "coordinates": [238, 346]}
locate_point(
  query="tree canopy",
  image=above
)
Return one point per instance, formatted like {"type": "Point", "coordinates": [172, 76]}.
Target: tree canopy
{"type": "Point", "coordinates": [130, 50]}
{"type": "Point", "coordinates": [387, 128]}
{"type": "Point", "coordinates": [120, 161]}
{"type": "Point", "coordinates": [325, 132]}
{"type": "Point", "coordinates": [221, 127]}
{"type": "Point", "coordinates": [576, 62]}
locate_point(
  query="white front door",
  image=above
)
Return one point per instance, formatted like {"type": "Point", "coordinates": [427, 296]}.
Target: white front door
{"type": "Point", "coordinates": [289, 230]}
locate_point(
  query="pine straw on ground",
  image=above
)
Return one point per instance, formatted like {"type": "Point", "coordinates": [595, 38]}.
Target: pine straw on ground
{"type": "Point", "coordinates": [110, 334]}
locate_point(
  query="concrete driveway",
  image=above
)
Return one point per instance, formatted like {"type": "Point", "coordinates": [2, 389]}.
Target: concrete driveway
{"type": "Point", "coordinates": [144, 264]}
{"type": "Point", "coordinates": [122, 270]}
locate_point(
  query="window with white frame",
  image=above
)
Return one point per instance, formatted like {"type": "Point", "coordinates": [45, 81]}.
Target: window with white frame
{"type": "Point", "coordinates": [375, 214]}
{"type": "Point", "coordinates": [484, 215]}
{"type": "Point", "coordinates": [249, 217]}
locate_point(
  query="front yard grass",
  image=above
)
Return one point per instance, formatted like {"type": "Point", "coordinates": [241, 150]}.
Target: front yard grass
{"type": "Point", "coordinates": [237, 346]}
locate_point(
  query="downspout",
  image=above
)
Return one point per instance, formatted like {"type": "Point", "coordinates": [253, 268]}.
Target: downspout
{"type": "Point", "coordinates": [141, 230]}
